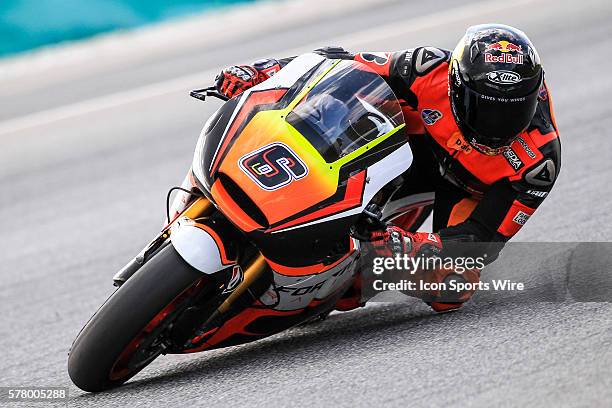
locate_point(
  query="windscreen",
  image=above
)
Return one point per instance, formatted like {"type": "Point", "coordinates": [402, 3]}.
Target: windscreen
{"type": "Point", "coordinates": [348, 108]}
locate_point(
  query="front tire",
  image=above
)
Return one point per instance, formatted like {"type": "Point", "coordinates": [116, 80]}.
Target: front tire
{"type": "Point", "coordinates": [111, 347]}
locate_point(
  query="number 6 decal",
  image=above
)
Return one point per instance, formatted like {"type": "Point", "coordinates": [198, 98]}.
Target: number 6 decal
{"type": "Point", "coordinates": [273, 166]}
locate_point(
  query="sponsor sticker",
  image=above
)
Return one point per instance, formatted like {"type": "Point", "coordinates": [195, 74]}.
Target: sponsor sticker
{"type": "Point", "coordinates": [273, 166]}
{"type": "Point", "coordinates": [431, 116]}
{"type": "Point", "coordinates": [505, 53]}
{"type": "Point", "coordinates": [504, 77]}
{"type": "Point", "coordinates": [521, 218]}
{"type": "Point", "coordinates": [235, 280]}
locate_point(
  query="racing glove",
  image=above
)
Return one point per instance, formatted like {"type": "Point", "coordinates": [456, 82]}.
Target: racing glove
{"type": "Point", "coordinates": [236, 79]}
{"type": "Point", "coordinates": [395, 241]}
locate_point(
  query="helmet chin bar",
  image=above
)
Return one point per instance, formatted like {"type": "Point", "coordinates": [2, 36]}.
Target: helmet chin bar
{"type": "Point", "coordinates": [484, 149]}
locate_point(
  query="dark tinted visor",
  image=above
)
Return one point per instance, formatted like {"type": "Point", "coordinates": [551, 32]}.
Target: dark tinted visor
{"type": "Point", "coordinates": [493, 121]}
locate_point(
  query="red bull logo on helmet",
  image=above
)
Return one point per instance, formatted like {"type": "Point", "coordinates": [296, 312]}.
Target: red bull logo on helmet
{"type": "Point", "coordinates": [510, 53]}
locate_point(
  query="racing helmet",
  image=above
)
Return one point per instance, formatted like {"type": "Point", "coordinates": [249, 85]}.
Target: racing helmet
{"type": "Point", "coordinates": [494, 79]}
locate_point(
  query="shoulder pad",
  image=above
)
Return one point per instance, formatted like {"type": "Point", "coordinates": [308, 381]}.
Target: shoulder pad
{"type": "Point", "coordinates": [334, 52]}
{"type": "Point", "coordinates": [408, 64]}
{"type": "Point", "coordinates": [425, 59]}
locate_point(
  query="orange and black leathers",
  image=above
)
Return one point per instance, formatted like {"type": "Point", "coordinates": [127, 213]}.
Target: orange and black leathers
{"type": "Point", "coordinates": [479, 198]}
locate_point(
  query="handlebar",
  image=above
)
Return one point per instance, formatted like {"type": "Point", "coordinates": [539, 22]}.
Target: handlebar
{"type": "Point", "coordinates": [370, 221]}
{"type": "Point", "coordinates": [201, 94]}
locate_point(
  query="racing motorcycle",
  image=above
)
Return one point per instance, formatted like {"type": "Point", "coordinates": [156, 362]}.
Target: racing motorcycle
{"type": "Point", "coordinates": [263, 233]}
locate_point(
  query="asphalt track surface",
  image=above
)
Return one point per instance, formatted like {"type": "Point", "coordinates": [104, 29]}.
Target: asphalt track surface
{"type": "Point", "coordinates": [82, 188]}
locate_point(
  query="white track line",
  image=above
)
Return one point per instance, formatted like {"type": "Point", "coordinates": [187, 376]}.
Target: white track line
{"type": "Point", "coordinates": [185, 82]}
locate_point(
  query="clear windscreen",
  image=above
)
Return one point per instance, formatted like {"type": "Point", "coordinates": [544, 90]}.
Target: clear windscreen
{"type": "Point", "coordinates": [348, 108]}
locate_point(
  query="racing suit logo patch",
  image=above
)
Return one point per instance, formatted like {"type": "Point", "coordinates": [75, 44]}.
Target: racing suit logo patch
{"type": "Point", "coordinates": [543, 175]}
{"type": "Point", "coordinates": [526, 147]}
{"type": "Point", "coordinates": [537, 193]}
{"type": "Point", "coordinates": [457, 142]}
{"type": "Point", "coordinates": [513, 159]}
{"type": "Point", "coordinates": [431, 116]}
{"type": "Point", "coordinates": [521, 218]}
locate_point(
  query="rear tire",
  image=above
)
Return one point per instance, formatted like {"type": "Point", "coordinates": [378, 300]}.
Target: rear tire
{"type": "Point", "coordinates": [115, 326]}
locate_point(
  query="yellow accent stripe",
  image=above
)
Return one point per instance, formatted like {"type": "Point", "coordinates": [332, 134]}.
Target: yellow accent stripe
{"type": "Point", "coordinates": [304, 145]}
{"type": "Point", "coordinates": [364, 149]}
{"type": "Point", "coordinates": [308, 87]}
{"type": "Point", "coordinates": [299, 138]}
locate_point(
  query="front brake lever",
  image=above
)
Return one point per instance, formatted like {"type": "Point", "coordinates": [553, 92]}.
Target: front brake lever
{"type": "Point", "coordinates": [201, 94]}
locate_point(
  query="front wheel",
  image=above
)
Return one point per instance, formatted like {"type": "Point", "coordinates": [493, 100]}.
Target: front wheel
{"type": "Point", "coordinates": [127, 332]}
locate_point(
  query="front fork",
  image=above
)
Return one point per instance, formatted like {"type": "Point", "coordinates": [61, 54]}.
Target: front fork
{"type": "Point", "coordinates": [201, 207]}
{"type": "Point", "coordinates": [197, 242]}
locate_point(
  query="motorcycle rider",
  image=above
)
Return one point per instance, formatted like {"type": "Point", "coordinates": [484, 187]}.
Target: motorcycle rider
{"type": "Point", "coordinates": [483, 132]}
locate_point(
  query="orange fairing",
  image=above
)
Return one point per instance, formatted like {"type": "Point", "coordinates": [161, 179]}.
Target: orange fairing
{"type": "Point", "coordinates": [233, 210]}
{"type": "Point", "coordinates": [285, 159]}
{"type": "Point", "coordinates": [254, 99]}
{"type": "Point", "coordinates": [352, 198]}
{"type": "Point", "coordinates": [266, 128]}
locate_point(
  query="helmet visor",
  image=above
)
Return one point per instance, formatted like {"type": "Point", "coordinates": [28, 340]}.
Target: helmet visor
{"type": "Point", "coordinates": [492, 121]}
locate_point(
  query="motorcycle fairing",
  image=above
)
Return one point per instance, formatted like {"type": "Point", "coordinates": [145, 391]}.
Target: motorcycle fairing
{"type": "Point", "coordinates": [200, 246]}
{"type": "Point", "coordinates": [299, 291]}
{"type": "Point", "coordinates": [320, 189]}
{"type": "Point", "coordinates": [217, 128]}
{"type": "Point", "coordinates": [289, 300]}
